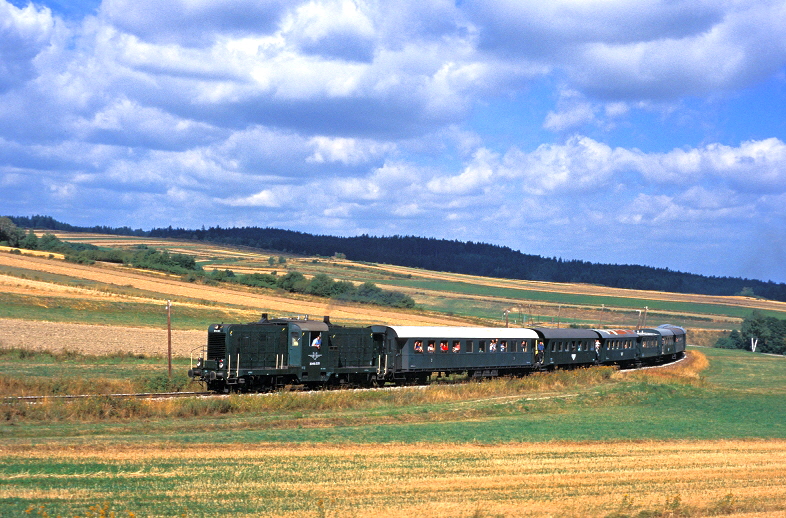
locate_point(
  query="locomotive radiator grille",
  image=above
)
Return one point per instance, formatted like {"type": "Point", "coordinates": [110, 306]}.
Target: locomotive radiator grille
{"type": "Point", "coordinates": [216, 346]}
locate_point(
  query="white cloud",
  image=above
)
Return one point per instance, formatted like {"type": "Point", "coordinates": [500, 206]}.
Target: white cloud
{"type": "Point", "coordinates": [24, 33]}
{"type": "Point", "coordinates": [641, 50]}
{"type": "Point", "coordinates": [576, 115]}
{"type": "Point", "coordinates": [333, 29]}
{"type": "Point", "coordinates": [264, 198]}
{"type": "Point", "coordinates": [192, 22]}
{"type": "Point", "coordinates": [477, 176]}
{"type": "Point", "coordinates": [348, 151]}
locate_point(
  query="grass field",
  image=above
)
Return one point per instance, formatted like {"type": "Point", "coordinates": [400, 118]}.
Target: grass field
{"type": "Point", "coordinates": [706, 437]}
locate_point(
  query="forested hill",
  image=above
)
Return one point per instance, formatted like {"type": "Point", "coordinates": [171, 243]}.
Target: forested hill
{"type": "Point", "coordinates": [450, 256]}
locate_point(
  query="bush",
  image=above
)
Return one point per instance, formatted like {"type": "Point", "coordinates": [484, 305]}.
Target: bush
{"type": "Point", "coordinates": [161, 382]}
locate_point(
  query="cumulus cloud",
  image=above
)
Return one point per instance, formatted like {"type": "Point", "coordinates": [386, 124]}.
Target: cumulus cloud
{"type": "Point", "coordinates": [192, 22]}
{"type": "Point", "coordinates": [24, 33]}
{"type": "Point", "coordinates": [338, 29]}
{"type": "Point", "coordinates": [641, 50]}
{"type": "Point", "coordinates": [348, 151]}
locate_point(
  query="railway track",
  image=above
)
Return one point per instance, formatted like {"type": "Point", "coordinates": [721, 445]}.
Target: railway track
{"type": "Point", "coordinates": [171, 395]}
{"type": "Point", "coordinates": [141, 395]}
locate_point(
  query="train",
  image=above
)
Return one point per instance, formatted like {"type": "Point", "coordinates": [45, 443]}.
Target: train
{"type": "Point", "coordinates": [300, 352]}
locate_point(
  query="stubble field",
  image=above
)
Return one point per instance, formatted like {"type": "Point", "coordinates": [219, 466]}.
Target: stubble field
{"type": "Point", "coordinates": [647, 478]}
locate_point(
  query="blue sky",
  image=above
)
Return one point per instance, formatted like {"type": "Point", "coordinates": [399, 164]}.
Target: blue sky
{"type": "Point", "coordinates": [647, 132]}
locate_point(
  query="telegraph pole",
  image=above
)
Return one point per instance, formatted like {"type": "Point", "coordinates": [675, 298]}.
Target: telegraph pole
{"type": "Point", "coordinates": [169, 335]}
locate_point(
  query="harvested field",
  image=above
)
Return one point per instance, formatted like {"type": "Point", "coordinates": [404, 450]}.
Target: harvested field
{"type": "Point", "coordinates": [649, 478]}
{"type": "Point", "coordinates": [96, 340]}
{"type": "Point", "coordinates": [170, 286]}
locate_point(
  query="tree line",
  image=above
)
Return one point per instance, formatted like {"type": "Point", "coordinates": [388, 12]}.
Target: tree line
{"type": "Point", "coordinates": [758, 333]}
{"type": "Point", "coordinates": [451, 256]}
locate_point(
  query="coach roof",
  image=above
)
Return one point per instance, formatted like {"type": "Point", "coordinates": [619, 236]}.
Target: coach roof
{"type": "Point", "coordinates": [551, 333]}
{"type": "Point", "coordinates": [521, 333]}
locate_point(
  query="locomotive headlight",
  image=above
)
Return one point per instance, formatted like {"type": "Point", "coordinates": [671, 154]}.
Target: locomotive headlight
{"type": "Point", "coordinates": [221, 363]}
{"type": "Point", "coordinates": [199, 363]}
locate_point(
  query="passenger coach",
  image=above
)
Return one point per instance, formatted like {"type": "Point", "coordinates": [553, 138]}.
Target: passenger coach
{"type": "Point", "coordinates": [480, 351]}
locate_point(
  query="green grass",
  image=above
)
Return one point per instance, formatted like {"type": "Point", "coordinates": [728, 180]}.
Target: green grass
{"type": "Point", "coordinates": [745, 372]}
{"type": "Point", "coordinates": [23, 372]}
{"type": "Point", "coordinates": [564, 405]}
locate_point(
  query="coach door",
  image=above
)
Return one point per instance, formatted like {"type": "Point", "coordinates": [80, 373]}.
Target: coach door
{"type": "Point", "coordinates": [295, 341]}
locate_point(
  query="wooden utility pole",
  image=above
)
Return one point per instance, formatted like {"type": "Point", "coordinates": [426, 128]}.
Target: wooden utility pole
{"type": "Point", "coordinates": [169, 335]}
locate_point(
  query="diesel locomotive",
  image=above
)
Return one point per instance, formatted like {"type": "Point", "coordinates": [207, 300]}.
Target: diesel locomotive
{"type": "Point", "coordinates": [273, 353]}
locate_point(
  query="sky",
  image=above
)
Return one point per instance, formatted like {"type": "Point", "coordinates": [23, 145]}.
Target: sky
{"type": "Point", "coordinates": [647, 132]}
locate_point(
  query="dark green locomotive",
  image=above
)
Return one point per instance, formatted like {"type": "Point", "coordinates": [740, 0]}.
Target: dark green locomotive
{"type": "Point", "coordinates": [269, 354]}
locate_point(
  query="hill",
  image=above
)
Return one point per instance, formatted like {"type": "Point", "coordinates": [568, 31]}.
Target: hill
{"type": "Point", "coordinates": [449, 256]}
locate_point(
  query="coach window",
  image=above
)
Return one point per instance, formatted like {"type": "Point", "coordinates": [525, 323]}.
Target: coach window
{"type": "Point", "coordinates": [456, 346]}
{"type": "Point", "coordinates": [482, 346]}
{"type": "Point", "coordinates": [432, 345]}
{"type": "Point", "coordinates": [418, 346]}
{"type": "Point", "coordinates": [503, 346]}
{"type": "Point", "coordinates": [573, 346]}
{"type": "Point", "coordinates": [470, 346]}
{"type": "Point", "coordinates": [513, 346]}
